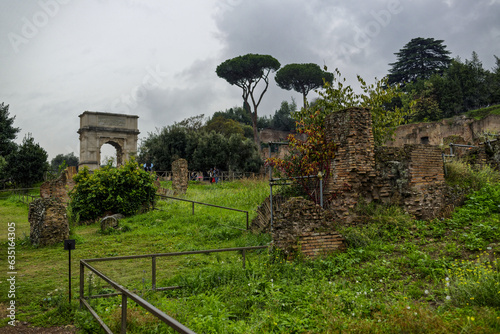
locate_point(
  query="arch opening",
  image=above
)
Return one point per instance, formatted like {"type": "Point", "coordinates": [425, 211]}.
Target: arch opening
{"type": "Point", "coordinates": [111, 153]}
{"type": "Point", "coordinates": [97, 129]}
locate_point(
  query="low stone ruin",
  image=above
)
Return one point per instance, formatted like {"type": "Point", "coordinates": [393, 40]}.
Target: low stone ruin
{"type": "Point", "coordinates": [48, 222]}
{"type": "Point", "coordinates": [262, 222]}
{"type": "Point", "coordinates": [111, 222]}
{"type": "Point", "coordinates": [180, 176]}
{"type": "Point", "coordinates": [411, 176]}
{"type": "Point", "coordinates": [60, 187]}
{"type": "Point", "coordinates": [301, 225]}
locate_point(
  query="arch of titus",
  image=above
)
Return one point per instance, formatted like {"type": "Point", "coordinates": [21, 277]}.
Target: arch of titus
{"type": "Point", "coordinates": [99, 128]}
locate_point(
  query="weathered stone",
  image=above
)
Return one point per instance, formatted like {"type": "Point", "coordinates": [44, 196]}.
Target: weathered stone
{"type": "Point", "coordinates": [303, 226]}
{"type": "Point", "coordinates": [111, 222]}
{"type": "Point", "coordinates": [180, 176]}
{"type": "Point", "coordinates": [411, 176]}
{"type": "Point", "coordinates": [60, 187]}
{"type": "Point", "coordinates": [99, 128]}
{"type": "Point", "coordinates": [262, 222]}
{"type": "Point", "coordinates": [458, 130]}
{"type": "Point", "coordinates": [48, 222]}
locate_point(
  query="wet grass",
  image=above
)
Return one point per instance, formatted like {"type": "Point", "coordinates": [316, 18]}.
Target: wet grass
{"type": "Point", "coordinates": [398, 274]}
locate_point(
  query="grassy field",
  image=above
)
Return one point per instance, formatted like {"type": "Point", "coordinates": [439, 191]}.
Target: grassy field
{"type": "Point", "coordinates": [398, 274]}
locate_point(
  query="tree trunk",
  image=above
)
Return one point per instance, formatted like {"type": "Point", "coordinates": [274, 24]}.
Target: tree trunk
{"type": "Point", "coordinates": [253, 115]}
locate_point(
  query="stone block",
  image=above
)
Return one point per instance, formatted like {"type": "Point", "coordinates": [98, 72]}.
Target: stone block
{"type": "Point", "coordinates": [48, 222]}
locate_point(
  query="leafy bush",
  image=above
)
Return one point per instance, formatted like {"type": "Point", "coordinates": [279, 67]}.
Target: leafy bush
{"type": "Point", "coordinates": [125, 190]}
{"type": "Point", "coordinates": [469, 177]}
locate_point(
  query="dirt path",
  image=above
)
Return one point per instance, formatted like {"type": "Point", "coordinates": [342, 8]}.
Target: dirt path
{"type": "Point", "coordinates": [24, 328]}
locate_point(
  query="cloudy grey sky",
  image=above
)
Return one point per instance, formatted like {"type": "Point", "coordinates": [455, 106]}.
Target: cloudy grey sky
{"type": "Point", "coordinates": [157, 59]}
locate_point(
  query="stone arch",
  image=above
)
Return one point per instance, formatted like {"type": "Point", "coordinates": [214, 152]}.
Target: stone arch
{"type": "Point", "coordinates": [117, 144]}
{"type": "Point", "coordinates": [98, 128]}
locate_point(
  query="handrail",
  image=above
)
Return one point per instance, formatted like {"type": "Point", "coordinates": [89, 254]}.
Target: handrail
{"type": "Point", "coordinates": [180, 328]}
{"type": "Point", "coordinates": [21, 194]}
{"type": "Point", "coordinates": [206, 204]}
{"type": "Point", "coordinates": [125, 293]}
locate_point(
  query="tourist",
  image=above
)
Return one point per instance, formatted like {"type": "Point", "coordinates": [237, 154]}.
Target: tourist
{"type": "Point", "coordinates": [216, 175]}
{"type": "Point", "coordinates": [148, 167]}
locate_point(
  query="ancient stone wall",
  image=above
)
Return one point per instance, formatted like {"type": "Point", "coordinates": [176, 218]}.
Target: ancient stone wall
{"type": "Point", "coordinates": [48, 222]}
{"type": "Point", "coordinates": [278, 151]}
{"type": "Point", "coordinates": [180, 176]}
{"type": "Point", "coordinates": [411, 176]}
{"type": "Point", "coordinates": [262, 222]}
{"type": "Point", "coordinates": [304, 226]}
{"type": "Point", "coordinates": [353, 168]}
{"type": "Point", "coordinates": [465, 131]}
{"type": "Point", "coordinates": [60, 187]}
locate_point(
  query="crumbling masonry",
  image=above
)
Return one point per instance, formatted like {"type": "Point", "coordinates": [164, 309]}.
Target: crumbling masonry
{"type": "Point", "coordinates": [411, 176]}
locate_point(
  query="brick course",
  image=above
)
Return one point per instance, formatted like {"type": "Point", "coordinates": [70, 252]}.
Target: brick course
{"type": "Point", "coordinates": [303, 226]}
{"type": "Point", "coordinates": [411, 176]}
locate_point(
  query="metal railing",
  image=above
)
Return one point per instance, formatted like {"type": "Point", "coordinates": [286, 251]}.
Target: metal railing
{"type": "Point", "coordinates": [223, 175]}
{"type": "Point", "coordinates": [452, 155]}
{"type": "Point", "coordinates": [22, 194]}
{"type": "Point", "coordinates": [127, 294]}
{"type": "Point", "coordinates": [212, 205]}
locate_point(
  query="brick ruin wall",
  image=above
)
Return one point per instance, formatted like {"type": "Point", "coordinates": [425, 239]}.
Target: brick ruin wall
{"type": "Point", "coordinates": [301, 225]}
{"type": "Point", "coordinates": [180, 175]}
{"type": "Point", "coordinates": [47, 215]}
{"type": "Point", "coordinates": [353, 168]}
{"type": "Point", "coordinates": [411, 176]}
{"type": "Point", "coordinates": [60, 187]}
{"type": "Point", "coordinates": [48, 222]}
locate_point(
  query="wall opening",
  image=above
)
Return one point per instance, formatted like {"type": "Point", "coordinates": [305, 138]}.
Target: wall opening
{"type": "Point", "coordinates": [110, 151]}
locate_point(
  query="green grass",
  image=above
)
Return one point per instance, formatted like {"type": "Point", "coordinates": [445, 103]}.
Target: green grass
{"type": "Point", "coordinates": [13, 211]}
{"type": "Point", "coordinates": [398, 275]}
{"type": "Point", "coordinates": [479, 114]}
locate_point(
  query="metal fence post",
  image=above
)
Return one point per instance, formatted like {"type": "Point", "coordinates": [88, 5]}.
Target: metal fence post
{"type": "Point", "coordinates": [193, 208]}
{"type": "Point", "coordinates": [124, 314]}
{"type": "Point", "coordinates": [153, 273]}
{"type": "Point", "coordinates": [82, 282]}
{"type": "Point", "coordinates": [321, 191]}
{"type": "Point", "coordinates": [244, 259]}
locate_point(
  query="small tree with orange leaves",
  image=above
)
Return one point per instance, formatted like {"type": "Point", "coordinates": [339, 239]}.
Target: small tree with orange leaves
{"type": "Point", "coordinates": [307, 157]}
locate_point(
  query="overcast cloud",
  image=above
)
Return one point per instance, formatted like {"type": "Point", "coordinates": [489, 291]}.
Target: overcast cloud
{"type": "Point", "coordinates": [157, 59]}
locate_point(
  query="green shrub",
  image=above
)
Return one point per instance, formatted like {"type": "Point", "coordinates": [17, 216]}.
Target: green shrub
{"type": "Point", "coordinates": [469, 177]}
{"type": "Point", "coordinates": [125, 190]}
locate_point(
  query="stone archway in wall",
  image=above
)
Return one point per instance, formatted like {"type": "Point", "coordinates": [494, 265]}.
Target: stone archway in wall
{"type": "Point", "coordinates": [117, 144]}
{"type": "Point", "coordinates": [99, 128]}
